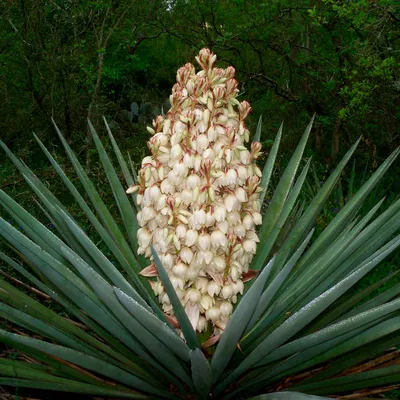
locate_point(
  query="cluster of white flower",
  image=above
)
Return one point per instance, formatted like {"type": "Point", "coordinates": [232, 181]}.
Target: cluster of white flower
{"type": "Point", "coordinates": [198, 193]}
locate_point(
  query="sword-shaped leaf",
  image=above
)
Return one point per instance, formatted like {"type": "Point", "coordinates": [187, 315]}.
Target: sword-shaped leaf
{"type": "Point", "coordinates": [237, 324]}
{"type": "Point", "coordinates": [201, 373]}
{"type": "Point", "coordinates": [180, 313]}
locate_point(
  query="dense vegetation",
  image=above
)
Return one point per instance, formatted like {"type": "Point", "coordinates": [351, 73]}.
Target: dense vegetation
{"type": "Point", "coordinates": [71, 60]}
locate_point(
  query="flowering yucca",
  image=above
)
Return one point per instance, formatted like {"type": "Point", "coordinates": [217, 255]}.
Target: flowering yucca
{"type": "Point", "coordinates": [199, 192]}
{"type": "Point", "coordinates": [297, 329]}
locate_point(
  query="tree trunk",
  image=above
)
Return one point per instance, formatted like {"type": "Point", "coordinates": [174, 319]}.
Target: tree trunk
{"type": "Point", "coordinates": [336, 139]}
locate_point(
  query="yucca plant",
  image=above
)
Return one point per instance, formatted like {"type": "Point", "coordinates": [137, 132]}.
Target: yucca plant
{"type": "Point", "coordinates": [159, 308]}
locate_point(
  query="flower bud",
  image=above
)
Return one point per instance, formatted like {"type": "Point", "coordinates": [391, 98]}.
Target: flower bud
{"type": "Point", "coordinates": [176, 152]}
{"type": "Point", "coordinates": [231, 202]}
{"type": "Point", "coordinates": [226, 292]}
{"type": "Point", "coordinates": [257, 218]}
{"type": "Point", "coordinates": [218, 239]}
{"type": "Point", "coordinates": [220, 213]}
{"type": "Point", "coordinates": [201, 325]}
{"type": "Point", "coordinates": [201, 284]}
{"type": "Point", "coordinates": [186, 255]}
{"type": "Point", "coordinates": [213, 288]}
{"type": "Point", "coordinates": [226, 309]}
{"type": "Point", "coordinates": [180, 270]}
{"type": "Point", "coordinates": [248, 222]}
{"type": "Point", "coordinates": [193, 295]}
{"type": "Point", "coordinates": [206, 302]}
{"type": "Point", "coordinates": [241, 194]}
{"type": "Point", "coordinates": [213, 314]}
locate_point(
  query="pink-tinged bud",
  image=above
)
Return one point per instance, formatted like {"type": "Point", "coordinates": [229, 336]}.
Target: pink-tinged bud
{"type": "Point", "coordinates": [229, 72]}
{"type": "Point", "coordinates": [244, 109]}
{"type": "Point", "coordinates": [184, 73]}
{"type": "Point", "coordinates": [212, 60]}
{"type": "Point", "coordinates": [226, 309]}
{"type": "Point", "coordinates": [231, 87]}
{"type": "Point", "coordinates": [219, 93]}
{"type": "Point", "coordinates": [203, 58]}
{"type": "Point", "coordinates": [213, 314]}
{"type": "Point", "coordinates": [200, 86]}
{"type": "Point", "coordinates": [255, 150]}
{"type": "Point", "coordinates": [191, 237]}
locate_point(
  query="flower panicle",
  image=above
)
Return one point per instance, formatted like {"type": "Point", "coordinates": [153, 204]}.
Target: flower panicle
{"type": "Point", "coordinates": [198, 194]}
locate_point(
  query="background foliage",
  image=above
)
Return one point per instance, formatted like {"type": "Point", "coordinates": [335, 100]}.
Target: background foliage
{"type": "Point", "coordinates": [78, 59]}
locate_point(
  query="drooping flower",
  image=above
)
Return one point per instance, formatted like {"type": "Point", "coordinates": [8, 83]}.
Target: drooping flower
{"type": "Point", "coordinates": [198, 193]}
